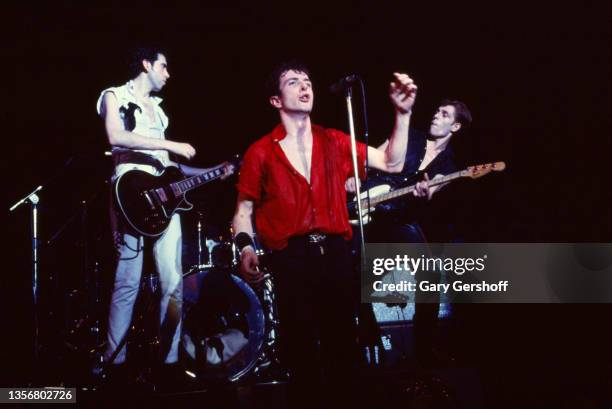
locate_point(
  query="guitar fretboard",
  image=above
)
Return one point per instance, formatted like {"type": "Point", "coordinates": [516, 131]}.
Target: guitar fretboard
{"type": "Point", "coordinates": [190, 183]}
{"type": "Point", "coordinates": [403, 191]}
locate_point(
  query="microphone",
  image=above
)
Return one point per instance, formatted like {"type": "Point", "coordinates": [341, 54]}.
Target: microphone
{"type": "Point", "coordinates": [343, 83]}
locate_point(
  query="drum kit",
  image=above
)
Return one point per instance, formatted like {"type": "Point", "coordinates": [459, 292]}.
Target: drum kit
{"type": "Point", "coordinates": [230, 329]}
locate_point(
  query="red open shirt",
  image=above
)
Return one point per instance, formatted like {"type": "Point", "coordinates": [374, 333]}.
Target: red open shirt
{"type": "Point", "coordinates": [285, 204]}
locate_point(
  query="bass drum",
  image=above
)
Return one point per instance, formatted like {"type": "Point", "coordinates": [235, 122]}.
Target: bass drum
{"type": "Point", "coordinates": [223, 326]}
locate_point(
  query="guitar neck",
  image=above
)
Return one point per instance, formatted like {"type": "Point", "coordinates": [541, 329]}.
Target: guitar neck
{"type": "Point", "coordinates": [193, 182]}
{"type": "Point", "coordinates": [409, 189]}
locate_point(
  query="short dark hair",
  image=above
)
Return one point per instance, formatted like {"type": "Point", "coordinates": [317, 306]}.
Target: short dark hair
{"type": "Point", "coordinates": [462, 112]}
{"type": "Point", "coordinates": [148, 53]}
{"type": "Point", "coordinates": [273, 83]}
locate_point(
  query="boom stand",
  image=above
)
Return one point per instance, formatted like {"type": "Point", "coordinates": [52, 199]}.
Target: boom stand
{"type": "Point", "coordinates": [33, 199]}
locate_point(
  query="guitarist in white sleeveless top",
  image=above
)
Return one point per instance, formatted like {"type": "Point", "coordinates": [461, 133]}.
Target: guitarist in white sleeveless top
{"type": "Point", "coordinates": [135, 125]}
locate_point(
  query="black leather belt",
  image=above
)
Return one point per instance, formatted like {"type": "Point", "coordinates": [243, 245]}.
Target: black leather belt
{"type": "Point", "coordinates": [313, 240]}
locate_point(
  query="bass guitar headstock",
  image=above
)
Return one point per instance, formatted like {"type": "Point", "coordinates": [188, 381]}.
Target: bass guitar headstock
{"type": "Point", "coordinates": [477, 171]}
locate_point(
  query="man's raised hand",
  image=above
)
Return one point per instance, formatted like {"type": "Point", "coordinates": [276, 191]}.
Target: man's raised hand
{"type": "Point", "coordinates": [402, 92]}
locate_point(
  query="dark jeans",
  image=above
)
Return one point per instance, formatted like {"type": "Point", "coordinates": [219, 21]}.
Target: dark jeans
{"type": "Point", "coordinates": [316, 296]}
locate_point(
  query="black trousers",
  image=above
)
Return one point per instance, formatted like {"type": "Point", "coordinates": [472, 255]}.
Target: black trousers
{"type": "Point", "coordinates": [317, 296]}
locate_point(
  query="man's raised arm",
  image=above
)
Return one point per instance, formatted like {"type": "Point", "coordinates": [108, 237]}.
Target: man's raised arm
{"type": "Point", "coordinates": [390, 156]}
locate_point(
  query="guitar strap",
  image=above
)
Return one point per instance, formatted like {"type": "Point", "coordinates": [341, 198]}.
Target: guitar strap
{"type": "Point", "coordinates": [139, 158]}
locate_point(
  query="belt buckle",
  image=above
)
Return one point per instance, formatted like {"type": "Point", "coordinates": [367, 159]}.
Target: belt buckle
{"type": "Point", "coordinates": [316, 237]}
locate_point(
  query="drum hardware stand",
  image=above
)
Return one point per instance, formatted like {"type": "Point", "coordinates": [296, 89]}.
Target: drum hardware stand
{"type": "Point", "coordinates": [94, 289]}
{"type": "Point", "coordinates": [269, 362]}
{"type": "Point", "coordinates": [204, 261]}
{"type": "Point", "coordinates": [200, 234]}
{"type": "Point", "coordinates": [92, 344]}
{"type": "Point", "coordinates": [268, 367]}
{"type": "Point", "coordinates": [98, 355]}
{"type": "Point", "coordinates": [235, 252]}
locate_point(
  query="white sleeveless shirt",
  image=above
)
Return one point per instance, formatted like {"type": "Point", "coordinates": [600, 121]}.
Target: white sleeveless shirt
{"type": "Point", "coordinates": [144, 126]}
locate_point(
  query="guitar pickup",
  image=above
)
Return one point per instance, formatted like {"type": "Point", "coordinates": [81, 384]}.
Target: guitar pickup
{"type": "Point", "coordinates": [161, 193]}
{"type": "Point", "coordinates": [151, 205]}
{"type": "Point", "coordinates": [176, 189]}
{"type": "Point", "coordinates": [152, 199]}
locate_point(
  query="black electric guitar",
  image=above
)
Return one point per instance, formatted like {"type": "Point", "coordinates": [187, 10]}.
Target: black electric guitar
{"type": "Point", "coordinates": [148, 202]}
{"type": "Point", "coordinates": [382, 193]}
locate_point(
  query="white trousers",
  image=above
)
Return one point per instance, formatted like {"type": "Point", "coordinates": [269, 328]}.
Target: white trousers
{"type": "Point", "coordinates": [167, 255]}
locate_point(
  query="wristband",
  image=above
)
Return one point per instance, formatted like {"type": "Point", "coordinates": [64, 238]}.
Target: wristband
{"type": "Point", "coordinates": [246, 248]}
{"type": "Point", "coordinates": [242, 240]}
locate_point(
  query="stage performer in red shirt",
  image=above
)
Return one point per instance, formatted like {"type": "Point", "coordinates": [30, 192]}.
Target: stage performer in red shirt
{"type": "Point", "coordinates": [292, 182]}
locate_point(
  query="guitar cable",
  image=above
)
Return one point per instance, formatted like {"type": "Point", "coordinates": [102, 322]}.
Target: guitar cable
{"type": "Point", "coordinates": [137, 250]}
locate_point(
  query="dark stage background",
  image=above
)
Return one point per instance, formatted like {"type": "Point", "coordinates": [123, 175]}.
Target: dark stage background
{"type": "Point", "coordinates": [534, 77]}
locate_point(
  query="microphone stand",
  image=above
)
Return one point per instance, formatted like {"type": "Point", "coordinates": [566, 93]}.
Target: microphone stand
{"type": "Point", "coordinates": [33, 199]}
{"type": "Point", "coordinates": [349, 107]}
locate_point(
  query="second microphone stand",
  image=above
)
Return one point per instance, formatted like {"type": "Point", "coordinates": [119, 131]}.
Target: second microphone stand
{"type": "Point", "coordinates": [349, 107]}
